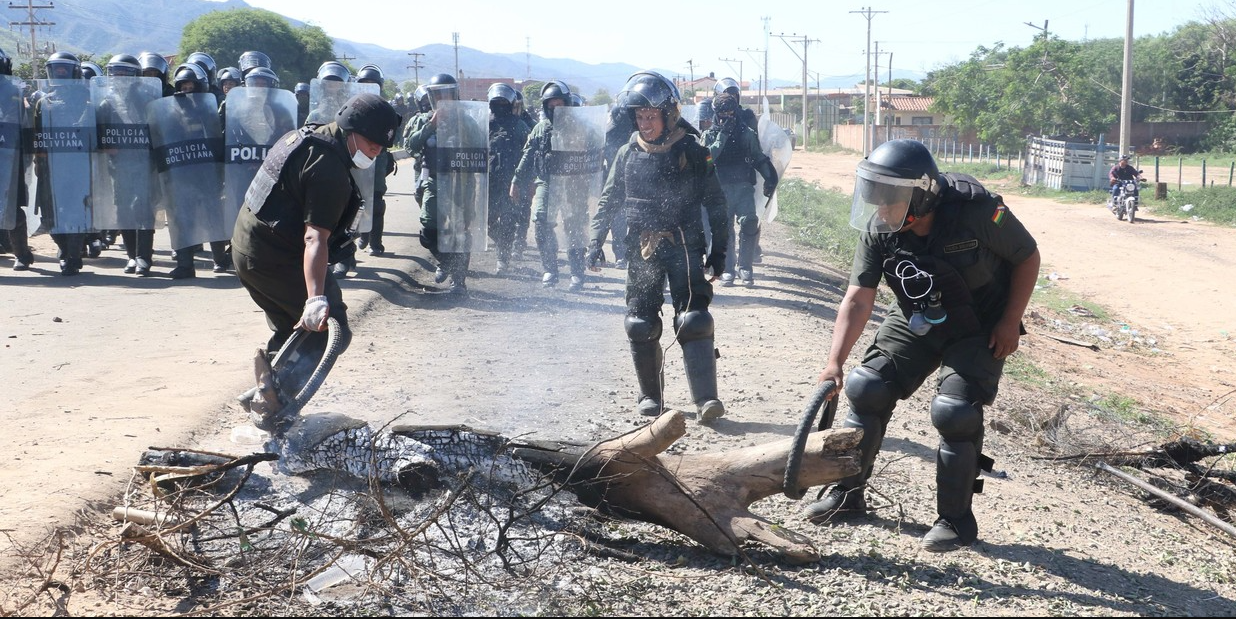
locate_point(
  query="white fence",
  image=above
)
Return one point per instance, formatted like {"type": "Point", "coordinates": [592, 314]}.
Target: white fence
{"type": "Point", "coordinates": [1067, 165]}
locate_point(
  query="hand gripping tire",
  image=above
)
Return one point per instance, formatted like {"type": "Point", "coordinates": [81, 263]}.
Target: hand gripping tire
{"type": "Point", "coordinates": [292, 362]}
{"type": "Point", "coordinates": [794, 463]}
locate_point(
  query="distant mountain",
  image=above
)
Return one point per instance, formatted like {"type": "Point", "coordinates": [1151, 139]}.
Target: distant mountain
{"type": "Point", "coordinates": [101, 27]}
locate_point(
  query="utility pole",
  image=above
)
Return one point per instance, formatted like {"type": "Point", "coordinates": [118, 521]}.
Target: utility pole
{"type": "Point", "coordinates": [691, 66]}
{"type": "Point", "coordinates": [764, 82]}
{"type": "Point", "coordinates": [888, 130]}
{"type": "Point", "coordinates": [729, 60]}
{"type": "Point", "coordinates": [875, 70]}
{"type": "Point", "coordinates": [868, 13]}
{"type": "Point", "coordinates": [527, 58]}
{"type": "Point", "coordinates": [1126, 88]}
{"type": "Point", "coordinates": [756, 60]}
{"type": "Point", "coordinates": [455, 38]}
{"type": "Point", "coordinates": [34, 23]}
{"type": "Point", "coordinates": [416, 66]}
{"type": "Point", "coordinates": [1042, 67]}
{"type": "Point", "coordinates": [345, 58]}
{"type": "Point", "coordinates": [806, 42]}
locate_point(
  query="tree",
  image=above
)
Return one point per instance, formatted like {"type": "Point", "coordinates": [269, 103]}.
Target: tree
{"type": "Point", "coordinates": [601, 97]}
{"type": "Point", "coordinates": [225, 35]}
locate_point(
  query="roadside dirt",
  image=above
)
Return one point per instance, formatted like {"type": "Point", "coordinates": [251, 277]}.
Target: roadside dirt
{"type": "Point", "coordinates": [103, 365]}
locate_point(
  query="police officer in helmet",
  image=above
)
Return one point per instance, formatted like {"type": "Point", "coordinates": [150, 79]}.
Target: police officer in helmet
{"type": "Point", "coordinates": [962, 268]}
{"type": "Point", "coordinates": [507, 135]}
{"type": "Point", "coordinates": [663, 177]}
{"type": "Point", "coordinates": [300, 207]}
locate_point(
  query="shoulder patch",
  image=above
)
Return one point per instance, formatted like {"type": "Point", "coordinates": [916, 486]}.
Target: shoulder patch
{"type": "Point", "coordinates": [961, 246]}
{"type": "Point", "coordinates": [997, 217]}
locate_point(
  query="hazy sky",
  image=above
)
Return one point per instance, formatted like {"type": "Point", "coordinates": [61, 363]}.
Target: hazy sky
{"type": "Point", "coordinates": [693, 36]}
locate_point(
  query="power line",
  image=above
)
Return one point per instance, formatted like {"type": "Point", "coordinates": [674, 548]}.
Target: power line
{"type": "Point", "coordinates": [34, 24]}
{"type": "Point", "coordinates": [416, 66]}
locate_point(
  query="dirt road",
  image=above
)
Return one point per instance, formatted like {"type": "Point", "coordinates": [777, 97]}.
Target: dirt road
{"type": "Point", "coordinates": [101, 366]}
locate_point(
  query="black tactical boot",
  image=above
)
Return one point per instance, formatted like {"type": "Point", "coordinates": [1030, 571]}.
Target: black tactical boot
{"type": "Point", "coordinates": [838, 501]}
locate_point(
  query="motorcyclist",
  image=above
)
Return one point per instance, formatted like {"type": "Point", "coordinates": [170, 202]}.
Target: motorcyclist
{"type": "Point", "coordinates": [1122, 171]}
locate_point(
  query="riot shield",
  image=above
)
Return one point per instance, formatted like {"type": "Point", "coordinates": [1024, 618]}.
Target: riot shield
{"type": "Point", "coordinates": [64, 138]}
{"type": "Point", "coordinates": [325, 99]}
{"type": "Point", "coordinates": [253, 120]}
{"type": "Point", "coordinates": [123, 167]}
{"type": "Point", "coordinates": [691, 113]}
{"type": "Point", "coordinates": [775, 143]}
{"type": "Point", "coordinates": [188, 152]}
{"type": "Point", "coordinates": [12, 117]}
{"type": "Point", "coordinates": [462, 175]}
{"type": "Point", "coordinates": [575, 168]}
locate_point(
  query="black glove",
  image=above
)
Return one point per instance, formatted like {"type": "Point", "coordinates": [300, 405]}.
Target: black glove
{"type": "Point", "coordinates": [716, 262]}
{"type": "Point", "coordinates": [769, 189]}
{"type": "Point", "coordinates": [596, 255]}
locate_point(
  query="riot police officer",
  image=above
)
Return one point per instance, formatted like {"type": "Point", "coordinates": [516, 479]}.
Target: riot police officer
{"type": "Point", "coordinates": [61, 176]}
{"type": "Point", "coordinates": [189, 78]}
{"type": "Point", "coordinates": [228, 78]}
{"type": "Point", "coordinates": [662, 177]}
{"type": "Point", "coordinates": [207, 63]}
{"type": "Point", "coordinates": [251, 60]}
{"type": "Point", "coordinates": [507, 135]}
{"type": "Point", "coordinates": [962, 268]}
{"type": "Point", "coordinates": [155, 65]}
{"type": "Point", "coordinates": [299, 208]}
{"type": "Point", "coordinates": [535, 168]}
{"type": "Point", "coordinates": [372, 240]}
{"type": "Point", "coordinates": [736, 153]}
{"type": "Point", "coordinates": [423, 143]}
{"type": "Point", "coordinates": [12, 107]}
{"type": "Point", "coordinates": [301, 90]}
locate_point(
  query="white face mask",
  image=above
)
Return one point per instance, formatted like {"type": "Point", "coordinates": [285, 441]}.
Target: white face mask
{"type": "Point", "coordinates": [360, 159]}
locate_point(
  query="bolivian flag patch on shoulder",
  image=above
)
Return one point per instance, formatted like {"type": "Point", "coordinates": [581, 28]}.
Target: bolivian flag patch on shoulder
{"type": "Point", "coordinates": [998, 216]}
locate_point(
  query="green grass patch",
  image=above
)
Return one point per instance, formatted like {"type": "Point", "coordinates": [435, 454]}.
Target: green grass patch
{"type": "Point", "coordinates": [1058, 300]}
{"type": "Point", "coordinates": [1125, 409]}
{"type": "Point", "coordinates": [1213, 204]}
{"type": "Point", "coordinates": [820, 218]}
{"type": "Point", "coordinates": [1022, 370]}
{"type": "Point", "coordinates": [1065, 196]}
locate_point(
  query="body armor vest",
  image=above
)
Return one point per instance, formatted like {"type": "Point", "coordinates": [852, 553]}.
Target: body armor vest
{"type": "Point", "coordinates": [654, 191]}
{"type": "Point", "coordinates": [732, 163]}
{"type": "Point", "coordinates": [268, 177]}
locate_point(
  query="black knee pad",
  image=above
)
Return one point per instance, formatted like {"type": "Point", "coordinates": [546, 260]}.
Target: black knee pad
{"type": "Point", "coordinates": [643, 329]}
{"type": "Point", "coordinates": [749, 225]}
{"type": "Point", "coordinates": [956, 419]}
{"type": "Point", "coordinates": [693, 325]}
{"type": "Point", "coordinates": [870, 392]}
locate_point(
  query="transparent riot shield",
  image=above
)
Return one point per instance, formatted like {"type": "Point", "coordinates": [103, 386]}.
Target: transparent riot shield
{"type": "Point", "coordinates": [575, 169]}
{"type": "Point", "coordinates": [188, 151]}
{"type": "Point", "coordinates": [12, 117]}
{"type": "Point", "coordinates": [123, 169]}
{"type": "Point", "coordinates": [775, 143]}
{"type": "Point", "coordinates": [64, 138]}
{"type": "Point", "coordinates": [325, 99]}
{"type": "Point", "coordinates": [461, 183]}
{"type": "Point", "coordinates": [691, 113]}
{"type": "Point", "coordinates": [253, 120]}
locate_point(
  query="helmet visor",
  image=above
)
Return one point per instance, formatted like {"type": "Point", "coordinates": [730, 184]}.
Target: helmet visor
{"type": "Point", "coordinates": [442, 92]}
{"type": "Point", "coordinates": [881, 202]}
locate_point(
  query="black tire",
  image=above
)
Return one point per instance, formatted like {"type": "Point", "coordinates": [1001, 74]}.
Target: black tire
{"type": "Point", "coordinates": [793, 465]}
{"type": "Point", "coordinates": [301, 395]}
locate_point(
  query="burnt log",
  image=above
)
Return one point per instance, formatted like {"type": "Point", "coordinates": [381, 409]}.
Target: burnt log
{"type": "Point", "coordinates": [706, 497]}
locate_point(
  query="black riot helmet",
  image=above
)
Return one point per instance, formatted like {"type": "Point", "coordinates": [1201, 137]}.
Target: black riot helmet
{"type": "Point", "coordinates": [707, 112]}
{"type": "Point", "coordinates": [262, 77]}
{"type": "Point", "coordinates": [421, 97]}
{"type": "Point", "coordinates": [441, 87]}
{"type": "Point", "coordinates": [554, 89]}
{"type": "Point", "coordinates": [6, 64]}
{"type": "Point", "coordinates": [150, 61]}
{"type": "Point", "coordinates": [123, 65]}
{"type": "Point", "coordinates": [895, 184]}
{"type": "Point", "coordinates": [501, 98]}
{"type": "Point", "coordinates": [301, 87]}
{"type": "Point", "coordinates": [90, 69]}
{"type": "Point", "coordinates": [334, 71]}
{"type": "Point", "coordinates": [649, 89]}
{"type": "Point", "coordinates": [249, 61]}
{"type": "Point", "coordinates": [727, 85]}
{"type": "Point", "coordinates": [63, 66]}
{"type": "Point", "coordinates": [229, 74]}
{"type": "Point", "coordinates": [371, 116]}
{"type": "Point", "coordinates": [190, 72]}
{"type": "Point", "coordinates": [576, 101]}
{"type": "Point", "coordinates": [204, 60]}
{"type": "Point", "coordinates": [370, 74]}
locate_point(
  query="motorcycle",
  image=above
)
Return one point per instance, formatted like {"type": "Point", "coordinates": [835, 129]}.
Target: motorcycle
{"type": "Point", "coordinates": [1126, 199]}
